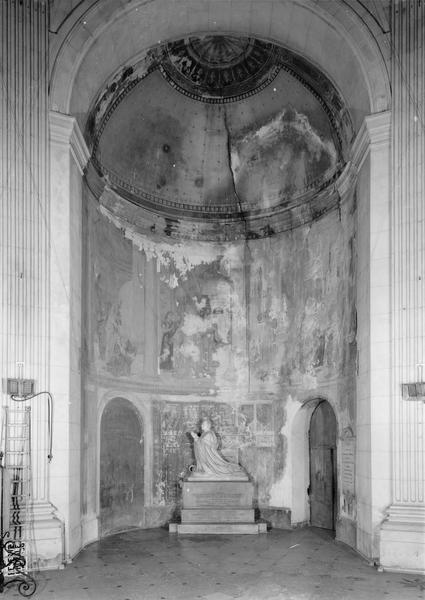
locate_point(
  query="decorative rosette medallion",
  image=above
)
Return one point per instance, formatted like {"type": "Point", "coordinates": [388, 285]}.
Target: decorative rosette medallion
{"type": "Point", "coordinates": [218, 68]}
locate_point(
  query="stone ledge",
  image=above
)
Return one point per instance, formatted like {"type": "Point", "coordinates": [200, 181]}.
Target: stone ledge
{"type": "Point", "coordinates": [217, 515]}
{"type": "Point", "coordinates": [218, 528]}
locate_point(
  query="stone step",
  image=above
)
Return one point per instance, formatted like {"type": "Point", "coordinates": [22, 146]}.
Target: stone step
{"type": "Point", "coordinates": [217, 515]}
{"type": "Point", "coordinates": [219, 528]}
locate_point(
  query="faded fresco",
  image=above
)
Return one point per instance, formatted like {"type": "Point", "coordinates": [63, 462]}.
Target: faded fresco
{"type": "Point", "coordinates": [247, 324]}
{"type": "Point", "coordinates": [246, 435]}
{"type": "Point", "coordinates": [196, 321]}
{"type": "Point", "coordinates": [281, 159]}
{"type": "Point", "coordinates": [117, 311]}
{"type": "Point", "coordinates": [303, 317]}
{"type": "Point", "coordinates": [160, 148]}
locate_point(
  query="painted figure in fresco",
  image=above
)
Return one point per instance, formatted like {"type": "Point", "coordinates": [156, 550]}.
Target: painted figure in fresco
{"type": "Point", "coordinates": [171, 324]}
{"type": "Point", "coordinates": [209, 463]}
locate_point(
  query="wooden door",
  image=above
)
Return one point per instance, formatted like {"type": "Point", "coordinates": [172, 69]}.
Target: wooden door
{"type": "Point", "coordinates": [322, 488]}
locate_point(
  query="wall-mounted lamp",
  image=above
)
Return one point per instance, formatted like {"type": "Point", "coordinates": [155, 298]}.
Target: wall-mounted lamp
{"type": "Point", "coordinates": [413, 391]}
{"type": "Point", "coordinates": [20, 388]}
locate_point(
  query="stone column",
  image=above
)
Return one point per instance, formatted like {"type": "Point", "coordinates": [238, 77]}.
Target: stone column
{"type": "Point", "coordinates": [25, 242]}
{"type": "Point", "coordinates": [69, 156]}
{"type": "Point", "coordinates": [402, 544]}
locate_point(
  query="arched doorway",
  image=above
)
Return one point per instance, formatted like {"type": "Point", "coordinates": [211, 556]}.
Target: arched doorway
{"type": "Point", "coordinates": [121, 491]}
{"type": "Point", "coordinates": [323, 477]}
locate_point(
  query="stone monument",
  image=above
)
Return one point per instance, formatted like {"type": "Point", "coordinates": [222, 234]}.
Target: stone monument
{"type": "Point", "coordinates": [217, 495]}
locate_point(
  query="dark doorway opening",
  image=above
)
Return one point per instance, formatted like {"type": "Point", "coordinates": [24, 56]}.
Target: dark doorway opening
{"type": "Point", "coordinates": [121, 467]}
{"type": "Point", "coordinates": [323, 477]}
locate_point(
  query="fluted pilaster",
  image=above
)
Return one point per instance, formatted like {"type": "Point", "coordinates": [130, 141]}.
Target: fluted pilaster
{"type": "Point", "coordinates": [408, 247]}
{"type": "Point", "coordinates": [406, 523]}
{"type": "Point", "coordinates": [25, 211]}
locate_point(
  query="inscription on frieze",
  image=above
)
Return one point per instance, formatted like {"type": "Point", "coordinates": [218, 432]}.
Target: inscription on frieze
{"type": "Point", "coordinates": [218, 494]}
{"type": "Point", "coordinates": [220, 499]}
{"type": "Point", "coordinates": [348, 462]}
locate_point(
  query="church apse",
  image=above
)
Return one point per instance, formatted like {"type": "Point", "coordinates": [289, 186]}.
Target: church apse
{"type": "Point", "coordinates": [201, 332]}
{"type": "Point", "coordinates": [220, 255]}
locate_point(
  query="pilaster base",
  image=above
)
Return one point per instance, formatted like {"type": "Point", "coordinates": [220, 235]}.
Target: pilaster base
{"type": "Point", "coordinates": [402, 543]}
{"type": "Point", "coordinates": [45, 538]}
{"type": "Point", "coordinates": [89, 529]}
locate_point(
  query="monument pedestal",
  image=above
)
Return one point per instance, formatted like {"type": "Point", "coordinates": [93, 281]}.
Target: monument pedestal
{"type": "Point", "coordinates": [216, 506]}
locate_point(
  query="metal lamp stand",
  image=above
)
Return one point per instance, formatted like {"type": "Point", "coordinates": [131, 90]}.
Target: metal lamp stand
{"type": "Point", "coordinates": [11, 552]}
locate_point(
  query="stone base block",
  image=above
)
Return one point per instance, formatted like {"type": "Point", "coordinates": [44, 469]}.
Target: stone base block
{"type": "Point", "coordinates": [221, 528]}
{"type": "Point", "coordinates": [45, 539]}
{"type": "Point", "coordinates": [217, 515]}
{"type": "Point", "coordinates": [217, 494]}
{"type": "Point", "coordinates": [402, 540]}
{"type": "Point", "coordinates": [279, 518]}
{"type": "Point", "coordinates": [218, 507]}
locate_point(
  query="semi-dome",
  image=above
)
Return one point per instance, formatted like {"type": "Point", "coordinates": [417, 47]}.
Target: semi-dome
{"type": "Point", "coordinates": [221, 127]}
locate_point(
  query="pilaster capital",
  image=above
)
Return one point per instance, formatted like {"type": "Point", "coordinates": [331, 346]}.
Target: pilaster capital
{"type": "Point", "coordinates": [379, 128]}
{"type": "Point", "coordinates": [65, 131]}
{"type": "Point", "coordinates": [374, 133]}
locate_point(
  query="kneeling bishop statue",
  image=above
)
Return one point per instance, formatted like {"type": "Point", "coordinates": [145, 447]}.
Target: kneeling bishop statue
{"type": "Point", "coordinates": [209, 462]}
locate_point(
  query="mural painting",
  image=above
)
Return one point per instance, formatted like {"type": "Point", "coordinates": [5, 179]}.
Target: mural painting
{"type": "Point", "coordinates": [117, 305]}
{"type": "Point", "coordinates": [298, 333]}
{"type": "Point", "coordinates": [196, 320]}
{"type": "Point", "coordinates": [249, 427]}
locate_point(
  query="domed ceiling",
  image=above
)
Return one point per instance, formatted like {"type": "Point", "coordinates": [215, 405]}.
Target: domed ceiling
{"type": "Point", "coordinates": [221, 127]}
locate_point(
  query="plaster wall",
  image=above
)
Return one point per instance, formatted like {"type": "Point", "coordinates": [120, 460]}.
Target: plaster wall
{"type": "Point", "coordinates": [246, 333]}
{"type": "Point", "coordinates": [66, 277]}
{"type": "Point", "coordinates": [75, 367]}
{"type": "Point", "coordinates": [373, 417]}
{"type": "Point", "coordinates": [363, 475]}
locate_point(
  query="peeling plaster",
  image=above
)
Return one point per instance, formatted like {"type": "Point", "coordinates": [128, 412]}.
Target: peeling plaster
{"type": "Point", "coordinates": [289, 150]}
{"type": "Point", "coordinates": [183, 256]}
{"type": "Point", "coordinates": [281, 490]}
{"type": "Point", "coordinates": [276, 320]}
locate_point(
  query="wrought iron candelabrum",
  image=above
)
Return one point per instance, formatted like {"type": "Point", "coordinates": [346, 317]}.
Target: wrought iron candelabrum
{"type": "Point", "coordinates": [12, 552]}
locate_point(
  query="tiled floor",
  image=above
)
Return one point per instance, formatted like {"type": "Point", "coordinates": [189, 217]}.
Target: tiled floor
{"type": "Point", "coordinates": [280, 565]}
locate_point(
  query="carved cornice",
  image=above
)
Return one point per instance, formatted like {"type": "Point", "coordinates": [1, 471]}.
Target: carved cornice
{"type": "Point", "coordinates": [346, 180]}
{"type": "Point", "coordinates": [374, 132]}
{"type": "Point", "coordinates": [64, 130]}
{"type": "Point", "coordinates": [379, 128]}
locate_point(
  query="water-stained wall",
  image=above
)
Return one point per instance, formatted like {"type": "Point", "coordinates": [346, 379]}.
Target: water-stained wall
{"type": "Point", "coordinates": [121, 466]}
{"type": "Point", "coordinates": [302, 315]}
{"type": "Point", "coordinates": [243, 332]}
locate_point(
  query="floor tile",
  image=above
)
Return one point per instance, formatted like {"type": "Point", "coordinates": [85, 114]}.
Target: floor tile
{"type": "Point", "coordinates": [304, 564]}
